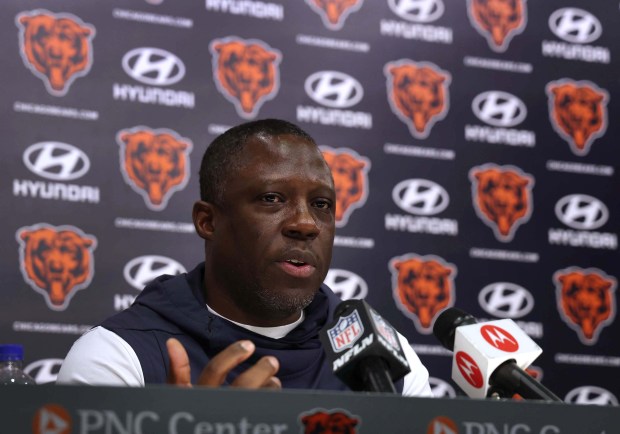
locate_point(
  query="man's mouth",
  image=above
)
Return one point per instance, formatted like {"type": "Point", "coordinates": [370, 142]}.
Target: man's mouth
{"type": "Point", "coordinates": [297, 267]}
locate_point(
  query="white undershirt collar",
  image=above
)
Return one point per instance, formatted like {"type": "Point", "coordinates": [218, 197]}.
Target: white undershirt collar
{"type": "Point", "coordinates": [270, 332]}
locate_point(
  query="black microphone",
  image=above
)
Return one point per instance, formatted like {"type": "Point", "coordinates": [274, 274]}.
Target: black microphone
{"type": "Point", "coordinates": [364, 348]}
{"type": "Point", "coordinates": [486, 356]}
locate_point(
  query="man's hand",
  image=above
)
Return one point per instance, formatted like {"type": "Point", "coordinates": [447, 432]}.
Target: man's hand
{"type": "Point", "coordinates": [261, 375]}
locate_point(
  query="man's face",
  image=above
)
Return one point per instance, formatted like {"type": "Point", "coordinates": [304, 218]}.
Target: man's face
{"type": "Point", "coordinates": [274, 230]}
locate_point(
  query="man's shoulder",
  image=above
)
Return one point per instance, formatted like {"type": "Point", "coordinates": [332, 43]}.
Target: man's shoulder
{"type": "Point", "coordinates": [100, 357]}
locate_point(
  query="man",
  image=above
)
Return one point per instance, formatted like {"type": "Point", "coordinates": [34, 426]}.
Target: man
{"type": "Point", "coordinates": [249, 316]}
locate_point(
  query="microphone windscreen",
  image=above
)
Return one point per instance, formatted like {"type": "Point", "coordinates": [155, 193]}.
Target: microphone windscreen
{"type": "Point", "coordinates": [358, 333]}
{"type": "Point", "coordinates": [446, 324]}
{"type": "Point", "coordinates": [480, 349]}
{"type": "Point", "coordinates": [344, 305]}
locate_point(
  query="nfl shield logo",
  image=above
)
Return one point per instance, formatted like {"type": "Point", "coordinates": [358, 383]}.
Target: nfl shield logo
{"type": "Point", "coordinates": [385, 330]}
{"type": "Point", "coordinates": [346, 332]}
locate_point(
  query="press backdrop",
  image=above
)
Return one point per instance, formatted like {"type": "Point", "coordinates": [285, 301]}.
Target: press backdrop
{"type": "Point", "coordinates": [474, 150]}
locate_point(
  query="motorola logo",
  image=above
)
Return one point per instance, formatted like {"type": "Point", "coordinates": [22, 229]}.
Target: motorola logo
{"type": "Point", "coordinates": [334, 89]}
{"type": "Point", "coordinates": [591, 395]}
{"type": "Point", "coordinates": [469, 369]}
{"type": "Point", "coordinates": [441, 388]}
{"type": "Point", "coordinates": [582, 212]}
{"type": "Point", "coordinates": [575, 25]}
{"type": "Point", "coordinates": [500, 109]}
{"type": "Point", "coordinates": [346, 284]}
{"type": "Point", "coordinates": [506, 300]}
{"type": "Point", "coordinates": [420, 197]}
{"type": "Point", "coordinates": [418, 11]}
{"type": "Point", "coordinates": [44, 371]}
{"type": "Point", "coordinates": [144, 269]}
{"type": "Point", "coordinates": [499, 338]}
{"type": "Point", "coordinates": [56, 161]}
{"type": "Point", "coordinates": [153, 66]}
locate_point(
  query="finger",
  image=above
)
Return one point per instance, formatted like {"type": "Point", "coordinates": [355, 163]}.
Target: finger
{"type": "Point", "coordinates": [273, 383]}
{"type": "Point", "coordinates": [214, 374]}
{"type": "Point", "coordinates": [259, 375]}
{"type": "Point", "coordinates": [179, 364]}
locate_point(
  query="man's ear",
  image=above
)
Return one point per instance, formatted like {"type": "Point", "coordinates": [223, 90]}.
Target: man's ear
{"type": "Point", "coordinates": [204, 216]}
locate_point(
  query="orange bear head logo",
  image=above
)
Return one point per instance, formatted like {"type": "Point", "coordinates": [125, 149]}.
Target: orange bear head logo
{"type": "Point", "coordinates": [55, 47]}
{"type": "Point", "coordinates": [422, 286]}
{"type": "Point", "coordinates": [334, 12]}
{"type": "Point", "coordinates": [56, 261]}
{"type": "Point", "coordinates": [246, 72]}
{"type": "Point", "coordinates": [329, 422]}
{"type": "Point", "coordinates": [578, 112]}
{"type": "Point", "coordinates": [502, 197]}
{"type": "Point", "coordinates": [418, 94]}
{"type": "Point", "coordinates": [586, 301]}
{"type": "Point", "coordinates": [498, 20]}
{"type": "Point", "coordinates": [155, 163]}
{"type": "Point", "coordinates": [350, 173]}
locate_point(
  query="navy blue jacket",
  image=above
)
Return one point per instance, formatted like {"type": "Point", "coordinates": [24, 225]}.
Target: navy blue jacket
{"type": "Point", "coordinates": [174, 306]}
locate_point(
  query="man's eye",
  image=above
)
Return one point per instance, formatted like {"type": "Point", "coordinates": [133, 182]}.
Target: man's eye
{"type": "Point", "coordinates": [322, 204]}
{"type": "Point", "coordinates": [271, 198]}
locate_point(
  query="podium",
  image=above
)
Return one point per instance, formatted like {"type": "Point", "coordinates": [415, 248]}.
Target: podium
{"type": "Point", "coordinates": [51, 409]}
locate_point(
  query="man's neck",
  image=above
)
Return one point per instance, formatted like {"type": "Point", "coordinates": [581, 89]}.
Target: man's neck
{"type": "Point", "coordinates": [224, 305]}
{"type": "Point", "coordinates": [277, 332]}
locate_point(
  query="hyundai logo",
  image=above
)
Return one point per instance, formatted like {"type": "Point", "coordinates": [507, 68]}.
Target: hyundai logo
{"type": "Point", "coordinates": [590, 395]}
{"type": "Point", "coordinates": [500, 109]}
{"type": "Point", "coordinates": [44, 371]}
{"type": "Point", "coordinates": [334, 89]}
{"type": "Point", "coordinates": [56, 161]}
{"type": "Point", "coordinates": [346, 284]}
{"type": "Point", "coordinates": [506, 300]}
{"type": "Point", "coordinates": [575, 25]}
{"type": "Point", "coordinates": [420, 197]}
{"type": "Point", "coordinates": [441, 388]}
{"type": "Point", "coordinates": [153, 66]}
{"type": "Point", "coordinates": [144, 269]}
{"type": "Point", "coordinates": [419, 11]}
{"type": "Point", "coordinates": [582, 212]}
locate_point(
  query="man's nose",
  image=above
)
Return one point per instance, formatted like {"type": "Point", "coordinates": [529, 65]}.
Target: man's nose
{"type": "Point", "coordinates": [301, 223]}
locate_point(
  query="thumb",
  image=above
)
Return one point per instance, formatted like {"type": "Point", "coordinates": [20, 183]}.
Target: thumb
{"type": "Point", "coordinates": [179, 364]}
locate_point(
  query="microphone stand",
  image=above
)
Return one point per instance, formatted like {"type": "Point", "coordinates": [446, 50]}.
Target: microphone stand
{"type": "Point", "coordinates": [375, 375]}
{"type": "Point", "coordinates": [509, 379]}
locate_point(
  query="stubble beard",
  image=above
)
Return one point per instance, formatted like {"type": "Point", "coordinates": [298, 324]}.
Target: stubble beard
{"type": "Point", "coordinates": [276, 304]}
{"type": "Point", "coordinates": [287, 304]}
